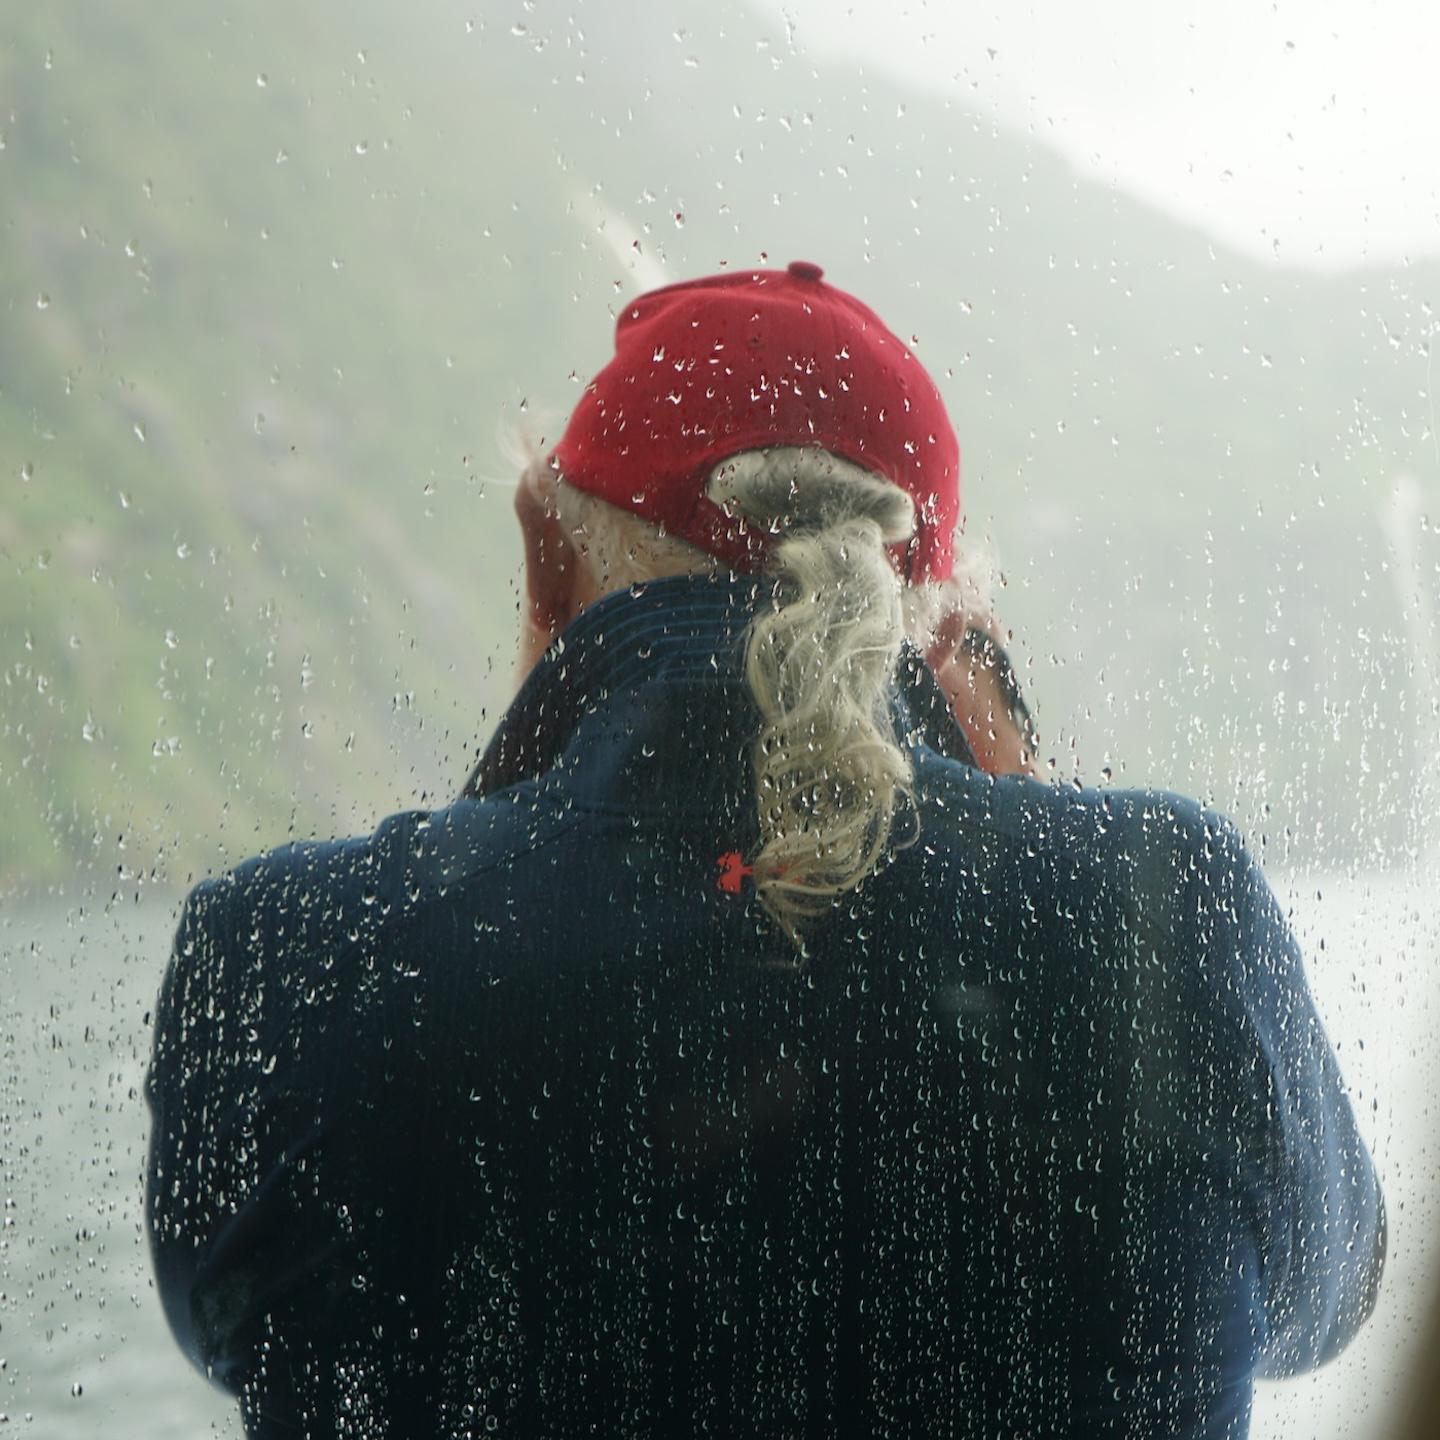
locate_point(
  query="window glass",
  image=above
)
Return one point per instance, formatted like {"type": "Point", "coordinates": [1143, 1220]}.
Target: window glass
{"type": "Point", "coordinates": [281, 286]}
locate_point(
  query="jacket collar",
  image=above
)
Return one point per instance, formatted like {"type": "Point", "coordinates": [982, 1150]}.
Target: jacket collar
{"type": "Point", "coordinates": [662, 664]}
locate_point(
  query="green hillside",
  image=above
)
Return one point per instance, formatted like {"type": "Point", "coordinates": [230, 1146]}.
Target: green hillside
{"type": "Point", "coordinates": [270, 280]}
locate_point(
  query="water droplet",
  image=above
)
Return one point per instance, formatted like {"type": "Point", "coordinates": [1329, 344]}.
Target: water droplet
{"type": "Point", "coordinates": [172, 641]}
{"type": "Point", "coordinates": [42, 301]}
{"type": "Point", "coordinates": [139, 428]}
{"type": "Point", "coordinates": [262, 80]}
{"type": "Point", "coordinates": [27, 472]}
{"type": "Point", "coordinates": [77, 1389]}
{"type": "Point", "coordinates": [362, 147]}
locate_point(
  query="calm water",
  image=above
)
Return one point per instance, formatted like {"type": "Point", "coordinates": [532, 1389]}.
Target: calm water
{"type": "Point", "coordinates": [84, 1346]}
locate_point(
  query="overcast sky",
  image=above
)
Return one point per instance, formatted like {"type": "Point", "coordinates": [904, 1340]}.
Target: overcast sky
{"type": "Point", "coordinates": [1307, 131]}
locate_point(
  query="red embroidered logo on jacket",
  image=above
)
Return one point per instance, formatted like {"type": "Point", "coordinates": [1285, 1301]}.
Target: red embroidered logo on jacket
{"type": "Point", "coordinates": [733, 871]}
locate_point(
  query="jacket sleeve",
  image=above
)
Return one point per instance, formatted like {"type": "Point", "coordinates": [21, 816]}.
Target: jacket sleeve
{"type": "Point", "coordinates": [191, 1035]}
{"type": "Point", "coordinates": [1325, 1221]}
{"type": "Point", "coordinates": [284, 1031]}
{"type": "Point", "coordinates": [234, 1131]}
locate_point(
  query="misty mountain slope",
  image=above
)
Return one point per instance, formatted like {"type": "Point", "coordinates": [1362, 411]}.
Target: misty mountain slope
{"type": "Point", "coordinates": [272, 280]}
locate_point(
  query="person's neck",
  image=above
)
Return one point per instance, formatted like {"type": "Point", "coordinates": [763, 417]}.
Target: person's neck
{"type": "Point", "coordinates": [686, 629]}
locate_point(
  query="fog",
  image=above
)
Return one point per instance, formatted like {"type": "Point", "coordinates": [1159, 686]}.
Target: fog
{"type": "Point", "coordinates": [1296, 133]}
{"type": "Point", "coordinates": [276, 285]}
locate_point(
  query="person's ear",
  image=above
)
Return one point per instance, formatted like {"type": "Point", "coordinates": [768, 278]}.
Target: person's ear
{"type": "Point", "coordinates": [552, 566]}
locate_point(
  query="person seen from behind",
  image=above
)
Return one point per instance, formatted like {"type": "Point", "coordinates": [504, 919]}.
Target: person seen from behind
{"type": "Point", "coordinates": [754, 1047]}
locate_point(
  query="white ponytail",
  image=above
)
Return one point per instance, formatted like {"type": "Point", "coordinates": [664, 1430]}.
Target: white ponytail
{"type": "Point", "coordinates": [829, 772]}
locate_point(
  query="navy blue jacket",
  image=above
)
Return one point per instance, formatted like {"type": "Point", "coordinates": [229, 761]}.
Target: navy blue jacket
{"type": "Point", "coordinates": [518, 1117]}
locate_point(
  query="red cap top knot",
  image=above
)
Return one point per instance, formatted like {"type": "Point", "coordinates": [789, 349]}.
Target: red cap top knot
{"type": "Point", "coordinates": [749, 360]}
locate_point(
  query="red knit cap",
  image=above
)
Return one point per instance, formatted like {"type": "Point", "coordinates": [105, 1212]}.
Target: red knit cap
{"type": "Point", "coordinates": [708, 368]}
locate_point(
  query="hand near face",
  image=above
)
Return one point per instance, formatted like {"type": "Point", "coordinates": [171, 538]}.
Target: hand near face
{"type": "Point", "coordinates": [969, 660]}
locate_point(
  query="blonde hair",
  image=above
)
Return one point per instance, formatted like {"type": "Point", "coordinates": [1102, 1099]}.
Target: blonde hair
{"type": "Point", "coordinates": [830, 774]}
